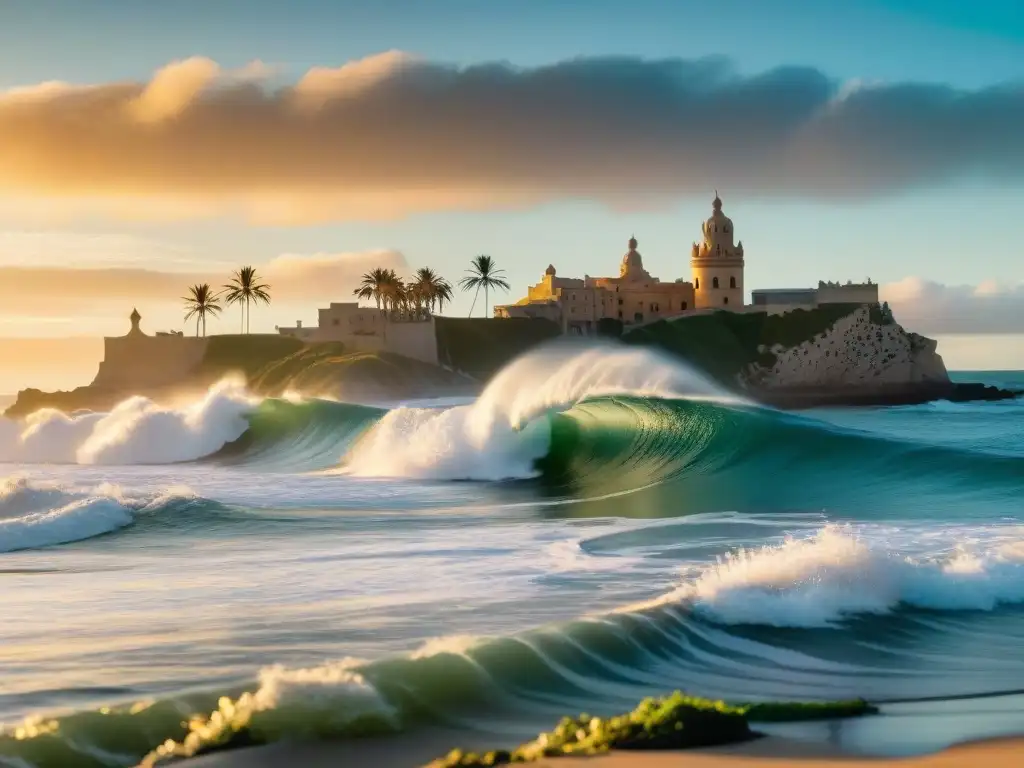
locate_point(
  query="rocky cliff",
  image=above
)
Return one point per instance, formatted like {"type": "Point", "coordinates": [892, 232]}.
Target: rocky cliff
{"type": "Point", "coordinates": [861, 349]}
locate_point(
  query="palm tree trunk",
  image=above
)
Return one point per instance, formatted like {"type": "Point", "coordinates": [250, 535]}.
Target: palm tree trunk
{"type": "Point", "coordinates": [241, 324]}
{"type": "Point", "coordinates": [197, 326]}
{"type": "Point", "coordinates": [475, 297]}
{"type": "Point", "coordinates": [487, 301]}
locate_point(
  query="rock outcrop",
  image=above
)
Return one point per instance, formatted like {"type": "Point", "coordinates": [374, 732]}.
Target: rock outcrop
{"type": "Point", "coordinates": [858, 350]}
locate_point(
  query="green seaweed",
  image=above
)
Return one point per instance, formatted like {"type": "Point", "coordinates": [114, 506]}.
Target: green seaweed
{"type": "Point", "coordinates": [676, 721]}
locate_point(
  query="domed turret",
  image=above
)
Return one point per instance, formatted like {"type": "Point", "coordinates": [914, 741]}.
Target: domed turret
{"type": "Point", "coordinates": [633, 264]}
{"type": "Point", "coordinates": [550, 270]}
{"type": "Point", "coordinates": [718, 231]}
{"type": "Point", "coordinates": [716, 263]}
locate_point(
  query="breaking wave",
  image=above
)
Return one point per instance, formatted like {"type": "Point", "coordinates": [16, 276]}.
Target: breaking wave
{"type": "Point", "coordinates": [136, 431]}
{"type": "Point", "coordinates": [716, 632]}
{"type": "Point", "coordinates": [36, 514]}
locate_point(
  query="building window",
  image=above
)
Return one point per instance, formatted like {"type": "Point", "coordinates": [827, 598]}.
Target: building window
{"type": "Point", "coordinates": [696, 283]}
{"type": "Point", "coordinates": [725, 300]}
{"type": "Point", "coordinates": [620, 304]}
{"type": "Point", "coordinates": [620, 314]}
{"type": "Point", "coordinates": [638, 317]}
{"type": "Point", "coordinates": [732, 282]}
{"type": "Point", "coordinates": [714, 282]}
{"type": "Point", "coordinates": [682, 305]}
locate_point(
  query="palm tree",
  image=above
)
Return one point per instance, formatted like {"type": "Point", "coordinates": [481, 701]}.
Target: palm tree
{"type": "Point", "coordinates": [483, 274]}
{"type": "Point", "coordinates": [374, 286]}
{"type": "Point", "coordinates": [200, 302]}
{"type": "Point", "coordinates": [394, 293]}
{"type": "Point", "coordinates": [432, 288]}
{"type": "Point", "coordinates": [245, 288]}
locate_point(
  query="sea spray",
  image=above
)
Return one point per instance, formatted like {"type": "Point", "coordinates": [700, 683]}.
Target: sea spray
{"type": "Point", "coordinates": [331, 700]}
{"type": "Point", "coordinates": [820, 580]}
{"type": "Point", "coordinates": [502, 435]}
{"type": "Point", "coordinates": [136, 431]}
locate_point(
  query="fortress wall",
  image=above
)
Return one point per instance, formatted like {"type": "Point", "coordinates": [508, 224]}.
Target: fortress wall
{"type": "Point", "coordinates": [417, 340]}
{"type": "Point", "coordinates": [138, 361]}
{"type": "Point", "coordinates": [857, 352]}
{"type": "Point", "coordinates": [856, 293]}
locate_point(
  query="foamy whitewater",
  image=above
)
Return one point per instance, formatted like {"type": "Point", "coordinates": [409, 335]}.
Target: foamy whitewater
{"type": "Point", "coordinates": [597, 526]}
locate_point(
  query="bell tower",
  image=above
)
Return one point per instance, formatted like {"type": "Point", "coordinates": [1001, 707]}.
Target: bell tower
{"type": "Point", "coordinates": [717, 263]}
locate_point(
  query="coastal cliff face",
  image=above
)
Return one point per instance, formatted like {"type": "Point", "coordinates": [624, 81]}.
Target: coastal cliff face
{"type": "Point", "coordinates": [856, 351]}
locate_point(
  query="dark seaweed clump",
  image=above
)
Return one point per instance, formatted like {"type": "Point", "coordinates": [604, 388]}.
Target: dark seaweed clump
{"type": "Point", "coordinates": [677, 721]}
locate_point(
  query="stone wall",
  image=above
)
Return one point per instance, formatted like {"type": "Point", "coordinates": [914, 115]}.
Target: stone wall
{"type": "Point", "coordinates": [855, 351]}
{"type": "Point", "coordinates": [138, 361]}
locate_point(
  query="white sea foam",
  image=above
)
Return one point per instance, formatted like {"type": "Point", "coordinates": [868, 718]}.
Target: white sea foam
{"type": "Point", "coordinates": [136, 431]}
{"type": "Point", "coordinates": [499, 436]}
{"type": "Point", "coordinates": [836, 574]}
{"type": "Point", "coordinates": [319, 701]}
{"type": "Point", "coordinates": [35, 514]}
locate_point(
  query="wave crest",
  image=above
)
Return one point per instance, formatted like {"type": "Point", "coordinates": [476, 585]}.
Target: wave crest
{"type": "Point", "coordinates": [136, 431]}
{"type": "Point", "coordinates": [37, 514]}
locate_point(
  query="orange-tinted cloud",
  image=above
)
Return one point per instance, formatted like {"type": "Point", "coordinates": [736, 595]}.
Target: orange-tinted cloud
{"type": "Point", "coordinates": [392, 134]}
{"type": "Point", "coordinates": [107, 291]}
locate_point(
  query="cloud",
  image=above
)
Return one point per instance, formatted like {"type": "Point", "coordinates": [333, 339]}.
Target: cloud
{"type": "Point", "coordinates": [293, 278]}
{"type": "Point", "coordinates": [929, 307]}
{"type": "Point", "coordinates": [392, 134]}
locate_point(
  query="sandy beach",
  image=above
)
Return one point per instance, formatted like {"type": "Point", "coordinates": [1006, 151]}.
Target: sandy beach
{"type": "Point", "coordinates": [768, 752]}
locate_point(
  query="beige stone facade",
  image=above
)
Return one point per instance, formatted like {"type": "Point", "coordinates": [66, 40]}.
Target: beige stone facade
{"type": "Point", "coordinates": [139, 361]}
{"type": "Point", "coordinates": [717, 263]}
{"type": "Point", "coordinates": [367, 329]}
{"type": "Point", "coordinates": [635, 296]}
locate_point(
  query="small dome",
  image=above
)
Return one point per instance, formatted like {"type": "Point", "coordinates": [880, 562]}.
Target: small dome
{"type": "Point", "coordinates": [550, 270]}
{"type": "Point", "coordinates": [632, 263]}
{"type": "Point", "coordinates": [718, 229]}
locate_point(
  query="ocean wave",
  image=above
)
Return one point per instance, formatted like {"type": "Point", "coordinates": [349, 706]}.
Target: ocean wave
{"type": "Point", "coordinates": [136, 431]}
{"type": "Point", "coordinates": [835, 575]}
{"type": "Point", "coordinates": [715, 634]}
{"type": "Point", "coordinates": [36, 514]}
{"type": "Point", "coordinates": [505, 432]}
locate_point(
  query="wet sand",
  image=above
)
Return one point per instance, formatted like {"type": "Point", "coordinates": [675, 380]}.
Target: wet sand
{"type": "Point", "coordinates": [769, 752]}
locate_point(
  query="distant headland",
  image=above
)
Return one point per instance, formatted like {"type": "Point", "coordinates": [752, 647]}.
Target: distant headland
{"type": "Point", "coordinates": [792, 348]}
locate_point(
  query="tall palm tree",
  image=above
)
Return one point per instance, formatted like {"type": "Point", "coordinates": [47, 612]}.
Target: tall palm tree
{"type": "Point", "coordinates": [443, 293]}
{"type": "Point", "coordinates": [375, 285]}
{"type": "Point", "coordinates": [483, 273]}
{"type": "Point", "coordinates": [244, 289]}
{"type": "Point", "coordinates": [395, 296]}
{"type": "Point", "coordinates": [432, 288]}
{"type": "Point", "coordinates": [200, 302]}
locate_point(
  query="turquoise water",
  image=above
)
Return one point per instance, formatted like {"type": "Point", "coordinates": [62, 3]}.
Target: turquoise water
{"type": "Point", "coordinates": [597, 526]}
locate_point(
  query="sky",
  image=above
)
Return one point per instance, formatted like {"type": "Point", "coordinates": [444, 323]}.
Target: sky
{"type": "Point", "coordinates": [144, 146]}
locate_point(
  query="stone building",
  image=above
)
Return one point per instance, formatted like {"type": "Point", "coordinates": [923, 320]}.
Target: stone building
{"type": "Point", "coordinates": [777, 301]}
{"type": "Point", "coordinates": [367, 329]}
{"type": "Point", "coordinates": [138, 361]}
{"type": "Point", "coordinates": [635, 296]}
